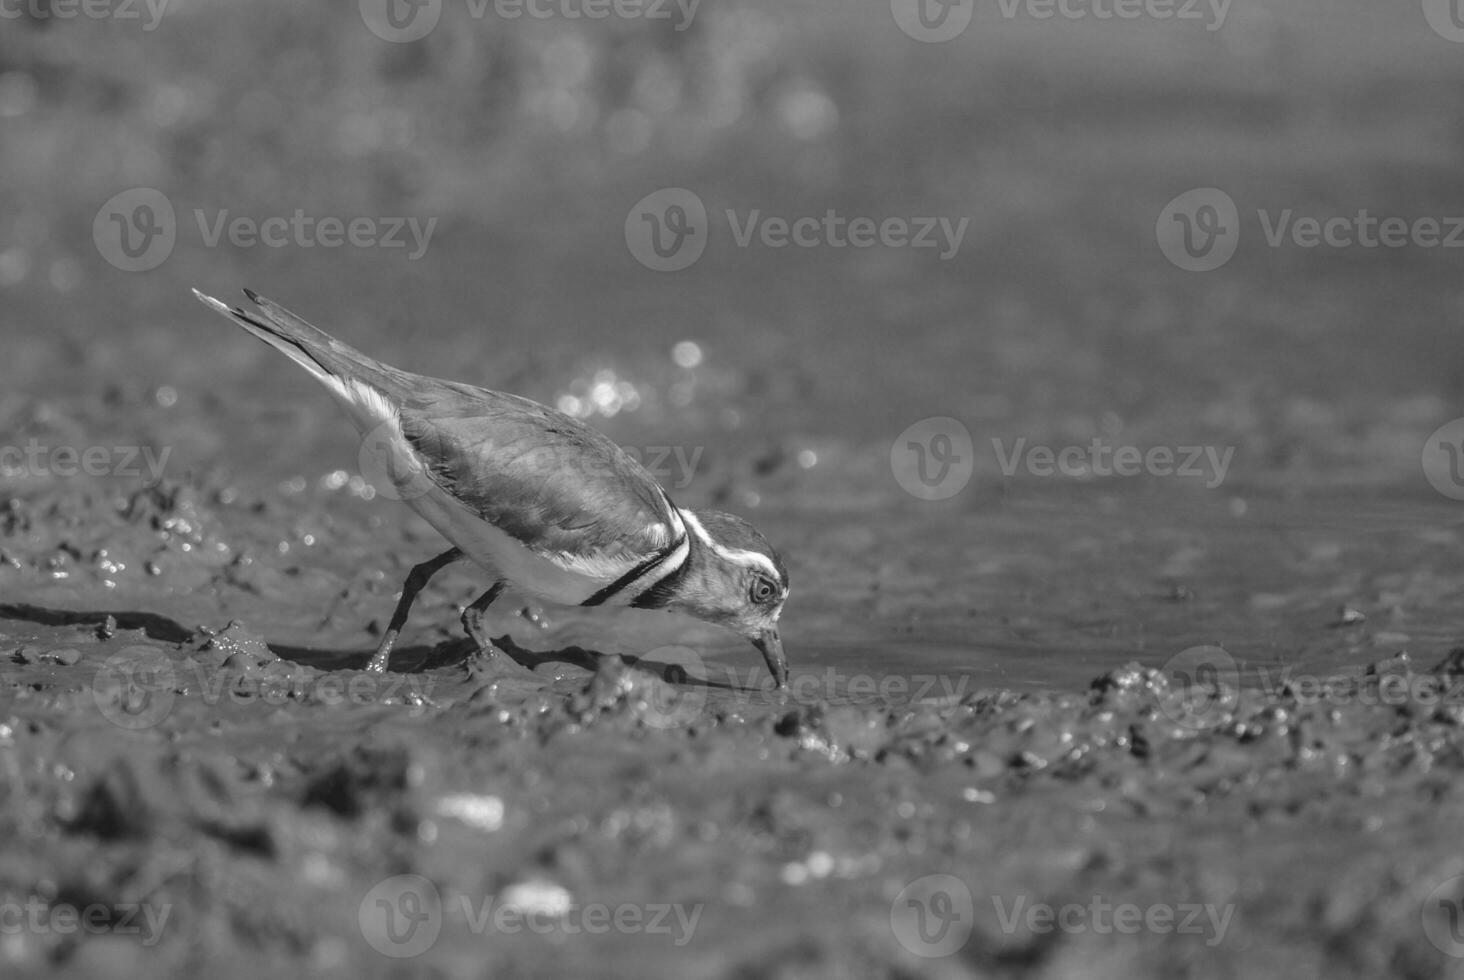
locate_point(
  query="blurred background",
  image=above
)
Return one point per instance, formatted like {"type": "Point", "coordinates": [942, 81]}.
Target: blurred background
{"type": "Point", "coordinates": [527, 142]}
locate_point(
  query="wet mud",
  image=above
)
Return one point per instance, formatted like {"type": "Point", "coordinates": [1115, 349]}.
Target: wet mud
{"type": "Point", "coordinates": [199, 764]}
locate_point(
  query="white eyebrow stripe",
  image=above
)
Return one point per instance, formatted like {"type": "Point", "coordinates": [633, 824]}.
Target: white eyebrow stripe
{"type": "Point", "coordinates": [738, 556]}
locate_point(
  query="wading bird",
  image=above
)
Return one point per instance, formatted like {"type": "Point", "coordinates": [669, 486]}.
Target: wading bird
{"type": "Point", "coordinates": [537, 499]}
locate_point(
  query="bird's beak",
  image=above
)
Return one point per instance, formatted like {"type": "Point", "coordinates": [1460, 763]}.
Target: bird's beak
{"type": "Point", "coordinates": [770, 645]}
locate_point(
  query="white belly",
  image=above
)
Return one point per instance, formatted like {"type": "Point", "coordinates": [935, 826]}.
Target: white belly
{"type": "Point", "coordinates": [503, 556]}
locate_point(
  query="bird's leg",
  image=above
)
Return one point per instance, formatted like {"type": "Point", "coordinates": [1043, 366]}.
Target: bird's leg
{"type": "Point", "coordinates": [473, 617]}
{"type": "Point", "coordinates": [417, 580]}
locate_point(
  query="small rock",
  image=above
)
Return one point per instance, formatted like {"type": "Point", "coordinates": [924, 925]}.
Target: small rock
{"type": "Point", "coordinates": [478, 810]}
{"type": "Point", "coordinates": [535, 615]}
{"type": "Point", "coordinates": [538, 897]}
{"type": "Point", "coordinates": [1398, 662]}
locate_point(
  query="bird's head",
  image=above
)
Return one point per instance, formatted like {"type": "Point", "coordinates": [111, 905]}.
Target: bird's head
{"type": "Point", "coordinates": [734, 578]}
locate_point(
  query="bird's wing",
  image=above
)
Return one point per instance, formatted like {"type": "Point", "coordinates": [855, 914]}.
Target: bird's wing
{"type": "Point", "coordinates": [558, 486]}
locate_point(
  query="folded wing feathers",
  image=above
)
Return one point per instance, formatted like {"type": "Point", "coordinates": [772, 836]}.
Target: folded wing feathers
{"type": "Point", "coordinates": [609, 518]}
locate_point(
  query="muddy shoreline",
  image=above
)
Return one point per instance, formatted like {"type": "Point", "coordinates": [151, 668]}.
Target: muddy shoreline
{"type": "Point", "coordinates": [576, 812]}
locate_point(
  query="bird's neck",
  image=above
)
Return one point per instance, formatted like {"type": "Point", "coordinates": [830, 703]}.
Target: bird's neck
{"type": "Point", "coordinates": [686, 579]}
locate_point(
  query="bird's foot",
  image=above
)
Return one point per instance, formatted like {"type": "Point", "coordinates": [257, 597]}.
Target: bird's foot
{"type": "Point", "coordinates": [487, 659]}
{"type": "Point", "coordinates": [473, 626]}
{"type": "Point", "coordinates": [483, 661]}
{"type": "Point", "coordinates": [489, 662]}
{"type": "Point", "coordinates": [382, 656]}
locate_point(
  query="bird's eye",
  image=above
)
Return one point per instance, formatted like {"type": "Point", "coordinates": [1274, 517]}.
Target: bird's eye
{"type": "Point", "coordinates": [762, 590]}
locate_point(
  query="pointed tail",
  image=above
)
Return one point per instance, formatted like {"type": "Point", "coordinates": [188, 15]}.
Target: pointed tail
{"type": "Point", "coordinates": [366, 386]}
